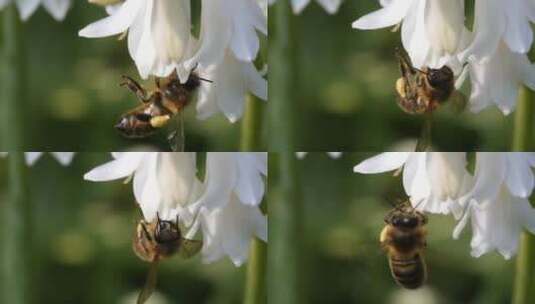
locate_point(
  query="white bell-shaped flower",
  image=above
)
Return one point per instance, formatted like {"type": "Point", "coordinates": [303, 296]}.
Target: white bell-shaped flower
{"type": "Point", "coordinates": [164, 183]}
{"type": "Point", "coordinates": [498, 79]}
{"type": "Point", "coordinates": [232, 80]}
{"type": "Point", "coordinates": [229, 230]}
{"type": "Point", "coordinates": [498, 222]}
{"type": "Point", "coordinates": [159, 34]}
{"type": "Point", "coordinates": [432, 31]}
{"type": "Point", "coordinates": [432, 180]}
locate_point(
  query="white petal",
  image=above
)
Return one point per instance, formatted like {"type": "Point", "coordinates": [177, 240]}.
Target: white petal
{"type": "Point", "coordinates": [383, 162]}
{"type": "Point", "coordinates": [115, 169]}
{"type": "Point", "coordinates": [519, 177]}
{"type": "Point", "coordinates": [388, 16]}
{"type": "Point", "coordinates": [114, 24]}
{"type": "Point", "coordinates": [63, 158]}
{"type": "Point", "coordinates": [32, 157]}
{"type": "Point", "coordinates": [27, 8]}
{"type": "Point", "coordinates": [331, 6]}
{"type": "Point", "coordinates": [57, 8]}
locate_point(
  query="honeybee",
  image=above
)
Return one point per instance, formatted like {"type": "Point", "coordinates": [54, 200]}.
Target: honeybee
{"type": "Point", "coordinates": [422, 91]}
{"type": "Point", "coordinates": [156, 241]}
{"type": "Point", "coordinates": [403, 239]}
{"type": "Point", "coordinates": [159, 106]}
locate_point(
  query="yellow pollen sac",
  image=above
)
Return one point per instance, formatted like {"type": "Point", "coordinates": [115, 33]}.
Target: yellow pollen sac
{"type": "Point", "coordinates": [400, 87]}
{"type": "Point", "coordinates": [159, 121]}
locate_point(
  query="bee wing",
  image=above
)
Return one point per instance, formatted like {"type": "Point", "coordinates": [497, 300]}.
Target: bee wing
{"type": "Point", "coordinates": [458, 101]}
{"type": "Point", "coordinates": [189, 248]}
{"type": "Point", "coordinates": [150, 283]}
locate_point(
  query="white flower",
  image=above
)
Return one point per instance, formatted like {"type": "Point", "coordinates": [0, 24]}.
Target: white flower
{"type": "Point", "coordinates": [334, 155]}
{"type": "Point", "coordinates": [432, 180]}
{"type": "Point", "coordinates": [432, 31]}
{"type": "Point", "coordinates": [498, 79]}
{"type": "Point", "coordinates": [331, 6]}
{"type": "Point", "coordinates": [230, 229]}
{"type": "Point", "coordinates": [495, 198]}
{"type": "Point", "coordinates": [160, 42]}
{"type": "Point", "coordinates": [63, 158]}
{"type": "Point", "coordinates": [231, 80]}
{"type": "Point", "coordinates": [159, 34]}
{"type": "Point", "coordinates": [498, 205]}
{"type": "Point", "coordinates": [498, 223]}
{"type": "Point", "coordinates": [57, 8]}
{"type": "Point", "coordinates": [230, 212]}
{"type": "Point", "coordinates": [498, 20]}
{"type": "Point", "coordinates": [164, 183]}
{"type": "Point", "coordinates": [228, 24]}
{"type": "Point", "coordinates": [225, 205]}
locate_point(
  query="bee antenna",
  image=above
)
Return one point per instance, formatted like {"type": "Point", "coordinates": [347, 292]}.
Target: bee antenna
{"type": "Point", "coordinates": [417, 204]}
{"type": "Point", "coordinates": [204, 79]}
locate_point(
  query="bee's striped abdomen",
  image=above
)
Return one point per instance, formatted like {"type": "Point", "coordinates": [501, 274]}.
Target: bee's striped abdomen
{"type": "Point", "coordinates": [409, 273]}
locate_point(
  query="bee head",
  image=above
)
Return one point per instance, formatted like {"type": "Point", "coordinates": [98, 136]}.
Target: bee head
{"type": "Point", "coordinates": [404, 221]}
{"type": "Point", "coordinates": [166, 231]}
{"type": "Point", "coordinates": [438, 77]}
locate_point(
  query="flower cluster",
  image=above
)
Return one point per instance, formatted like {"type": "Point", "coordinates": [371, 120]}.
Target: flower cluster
{"type": "Point", "coordinates": [494, 198]}
{"type": "Point", "coordinates": [331, 6]}
{"type": "Point", "coordinates": [63, 158]}
{"type": "Point", "coordinates": [160, 41]}
{"type": "Point", "coordinates": [57, 8]}
{"type": "Point", "coordinates": [225, 205]}
{"type": "Point", "coordinates": [494, 54]}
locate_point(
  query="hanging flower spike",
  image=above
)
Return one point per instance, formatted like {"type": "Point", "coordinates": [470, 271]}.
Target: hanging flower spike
{"type": "Point", "coordinates": [57, 8]}
{"type": "Point", "coordinates": [159, 37]}
{"type": "Point", "coordinates": [331, 6]}
{"type": "Point", "coordinates": [163, 183]}
{"type": "Point", "coordinates": [225, 205]}
{"type": "Point", "coordinates": [432, 180]}
{"type": "Point", "coordinates": [64, 158]}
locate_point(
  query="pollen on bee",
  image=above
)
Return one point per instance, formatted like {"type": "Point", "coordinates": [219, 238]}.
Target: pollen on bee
{"type": "Point", "coordinates": [400, 87]}
{"type": "Point", "coordinates": [159, 121]}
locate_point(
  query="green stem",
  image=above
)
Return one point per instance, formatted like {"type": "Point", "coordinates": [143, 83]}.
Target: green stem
{"type": "Point", "coordinates": [524, 284]}
{"type": "Point", "coordinates": [16, 237]}
{"type": "Point", "coordinates": [282, 84]}
{"type": "Point", "coordinates": [424, 142]}
{"type": "Point", "coordinates": [12, 90]}
{"type": "Point", "coordinates": [285, 210]}
{"type": "Point", "coordinates": [16, 228]}
{"type": "Point", "coordinates": [255, 283]}
{"type": "Point", "coordinates": [251, 125]}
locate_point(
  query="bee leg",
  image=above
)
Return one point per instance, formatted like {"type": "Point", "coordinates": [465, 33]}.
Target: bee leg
{"type": "Point", "coordinates": [157, 82]}
{"type": "Point", "coordinates": [136, 88]}
{"type": "Point", "coordinates": [146, 231]}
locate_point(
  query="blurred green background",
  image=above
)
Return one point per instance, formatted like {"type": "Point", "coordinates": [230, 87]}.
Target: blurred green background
{"type": "Point", "coordinates": [341, 259]}
{"type": "Point", "coordinates": [345, 90]}
{"type": "Point", "coordinates": [73, 95]}
{"type": "Point", "coordinates": [81, 243]}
